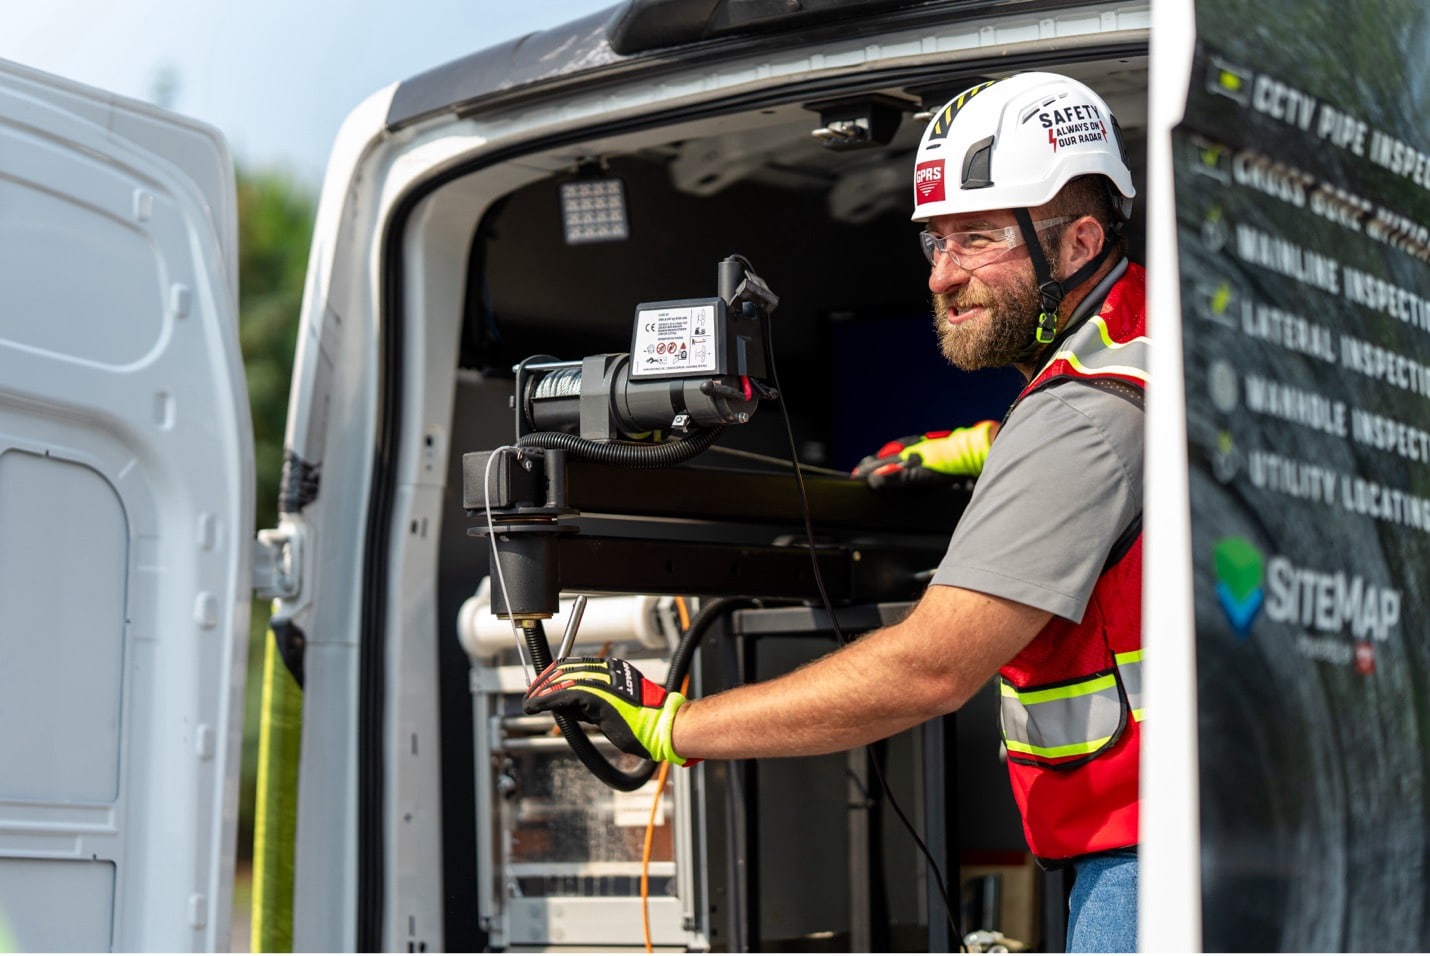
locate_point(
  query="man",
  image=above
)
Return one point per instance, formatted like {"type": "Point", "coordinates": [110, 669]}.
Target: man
{"type": "Point", "coordinates": [1024, 187]}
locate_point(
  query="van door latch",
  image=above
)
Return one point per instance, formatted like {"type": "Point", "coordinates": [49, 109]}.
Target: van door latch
{"type": "Point", "coordinates": [278, 563]}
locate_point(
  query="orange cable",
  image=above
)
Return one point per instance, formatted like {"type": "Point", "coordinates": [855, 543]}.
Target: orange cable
{"type": "Point", "coordinates": [660, 779]}
{"type": "Point", "coordinates": [645, 854]}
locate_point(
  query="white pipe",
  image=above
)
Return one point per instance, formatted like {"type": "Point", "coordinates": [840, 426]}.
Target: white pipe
{"type": "Point", "coordinates": [647, 619]}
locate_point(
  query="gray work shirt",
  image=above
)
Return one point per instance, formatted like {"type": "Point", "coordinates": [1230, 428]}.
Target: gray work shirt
{"type": "Point", "coordinates": [1062, 482]}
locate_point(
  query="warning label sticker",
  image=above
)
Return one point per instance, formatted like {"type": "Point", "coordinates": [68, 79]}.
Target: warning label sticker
{"type": "Point", "coordinates": [674, 340]}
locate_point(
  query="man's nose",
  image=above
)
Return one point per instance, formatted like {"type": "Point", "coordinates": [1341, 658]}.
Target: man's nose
{"type": "Point", "coordinates": [946, 275]}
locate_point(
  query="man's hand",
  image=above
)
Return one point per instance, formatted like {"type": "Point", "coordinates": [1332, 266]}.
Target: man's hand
{"type": "Point", "coordinates": [931, 457]}
{"type": "Point", "coordinates": [634, 714]}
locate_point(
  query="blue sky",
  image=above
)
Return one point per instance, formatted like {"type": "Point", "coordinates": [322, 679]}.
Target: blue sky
{"type": "Point", "coordinates": [276, 76]}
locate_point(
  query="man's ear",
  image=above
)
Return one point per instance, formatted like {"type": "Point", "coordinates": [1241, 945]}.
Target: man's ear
{"type": "Point", "coordinates": [1081, 240]}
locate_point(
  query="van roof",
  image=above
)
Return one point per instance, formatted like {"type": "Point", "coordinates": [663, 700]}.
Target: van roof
{"type": "Point", "coordinates": [628, 36]}
{"type": "Point", "coordinates": [493, 74]}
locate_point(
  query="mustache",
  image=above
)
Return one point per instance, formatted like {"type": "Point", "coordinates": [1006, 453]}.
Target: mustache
{"type": "Point", "coordinates": [959, 301]}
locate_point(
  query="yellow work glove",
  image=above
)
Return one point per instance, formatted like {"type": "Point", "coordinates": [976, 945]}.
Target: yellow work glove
{"type": "Point", "coordinates": [930, 457]}
{"type": "Point", "coordinates": [635, 714]}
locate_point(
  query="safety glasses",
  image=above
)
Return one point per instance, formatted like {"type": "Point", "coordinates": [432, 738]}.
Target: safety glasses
{"type": "Point", "coordinates": [980, 247]}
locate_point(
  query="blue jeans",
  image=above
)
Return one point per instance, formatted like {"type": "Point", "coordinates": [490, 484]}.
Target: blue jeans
{"type": "Point", "coordinates": [1102, 912]}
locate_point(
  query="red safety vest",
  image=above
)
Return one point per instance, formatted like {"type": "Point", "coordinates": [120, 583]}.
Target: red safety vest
{"type": "Point", "coordinates": [1072, 699]}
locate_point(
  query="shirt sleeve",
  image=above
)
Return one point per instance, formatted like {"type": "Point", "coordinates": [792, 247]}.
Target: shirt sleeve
{"type": "Point", "coordinates": [1062, 482]}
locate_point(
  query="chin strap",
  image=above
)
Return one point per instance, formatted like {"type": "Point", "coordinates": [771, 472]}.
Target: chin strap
{"type": "Point", "coordinates": [1052, 291]}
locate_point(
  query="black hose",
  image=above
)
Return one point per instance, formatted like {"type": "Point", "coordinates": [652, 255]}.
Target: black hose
{"type": "Point", "coordinates": [685, 651]}
{"type": "Point", "coordinates": [597, 762]}
{"type": "Point", "coordinates": [631, 455]}
{"type": "Point", "coordinates": [535, 634]}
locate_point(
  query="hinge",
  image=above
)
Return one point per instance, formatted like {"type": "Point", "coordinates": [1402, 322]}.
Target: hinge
{"type": "Point", "coordinates": [278, 563]}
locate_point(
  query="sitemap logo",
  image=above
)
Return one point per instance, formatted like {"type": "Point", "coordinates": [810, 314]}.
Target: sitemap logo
{"type": "Point", "coordinates": [1240, 574]}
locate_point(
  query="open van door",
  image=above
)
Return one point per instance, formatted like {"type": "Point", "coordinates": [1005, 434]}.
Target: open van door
{"type": "Point", "coordinates": [126, 516]}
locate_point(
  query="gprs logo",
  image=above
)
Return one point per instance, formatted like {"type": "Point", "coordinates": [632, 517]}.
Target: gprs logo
{"type": "Point", "coordinates": [928, 181]}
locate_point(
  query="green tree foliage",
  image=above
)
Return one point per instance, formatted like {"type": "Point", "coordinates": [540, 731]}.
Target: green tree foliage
{"type": "Point", "coordinates": [275, 229]}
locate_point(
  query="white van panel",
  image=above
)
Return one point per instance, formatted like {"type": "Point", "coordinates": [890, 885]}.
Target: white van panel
{"type": "Point", "coordinates": [126, 511]}
{"type": "Point", "coordinates": [75, 620]}
{"type": "Point", "coordinates": [31, 887]}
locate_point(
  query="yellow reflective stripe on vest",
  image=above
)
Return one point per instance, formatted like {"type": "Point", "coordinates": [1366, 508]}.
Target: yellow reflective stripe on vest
{"type": "Point", "coordinates": [1063, 692]}
{"type": "Point", "coordinates": [1129, 665]}
{"type": "Point", "coordinates": [1064, 721]}
{"type": "Point", "coordinates": [1107, 357]}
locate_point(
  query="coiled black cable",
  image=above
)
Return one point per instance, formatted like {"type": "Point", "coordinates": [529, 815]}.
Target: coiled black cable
{"type": "Point", "coordinates": [534, 634]}
{"type": "Point", "coordinates": [629, 454]}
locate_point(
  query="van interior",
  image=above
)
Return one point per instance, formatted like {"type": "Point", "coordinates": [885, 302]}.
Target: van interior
{"type": "Point", "coordinates": [826, 224]}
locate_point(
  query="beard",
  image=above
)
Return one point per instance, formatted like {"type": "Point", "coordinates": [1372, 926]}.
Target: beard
{"type": "Point", "coordinates": [997, 338]}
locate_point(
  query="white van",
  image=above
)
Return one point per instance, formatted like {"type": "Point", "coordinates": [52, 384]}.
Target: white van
{"type": "Point", "coordinates": [497, 216]}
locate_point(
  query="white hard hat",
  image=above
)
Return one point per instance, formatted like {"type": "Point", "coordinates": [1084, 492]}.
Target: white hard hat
{"type": "Point", "coordinates": [1014, 143]}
